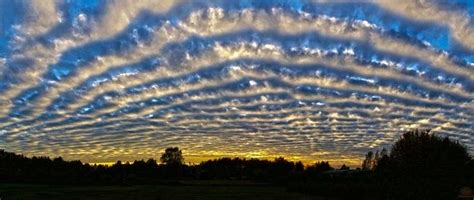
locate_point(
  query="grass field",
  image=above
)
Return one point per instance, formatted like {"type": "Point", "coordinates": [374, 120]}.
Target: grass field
{"type": "Point", "coordinates": [189, 190]}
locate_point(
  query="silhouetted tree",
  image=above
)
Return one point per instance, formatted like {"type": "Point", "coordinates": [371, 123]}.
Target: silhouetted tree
{"type": "Point", "coordinates": [172, 156]}
{"type": "Point", "coordinates": [376, 158]}
{"type": "Point", "coordinates": [422, 165]}
{"type": "Point", "coordinates": [319, 167]}
{"type": "Point", "coordinates": [419, 153]}
{"type": "Point", "coordinates": [372, 160]}
{"type": "Point", "coordinates": [299, 167]}
{"type": "Point", "coordinates": [367, 163]}
{"type": "Point", "coordinates": [383, 153]}
{"type": "Point", "coordinates": [344, 167]}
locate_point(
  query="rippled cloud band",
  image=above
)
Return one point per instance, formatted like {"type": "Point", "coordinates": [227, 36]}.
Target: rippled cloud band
{"type": "Point", "coordinates": [308, 80]}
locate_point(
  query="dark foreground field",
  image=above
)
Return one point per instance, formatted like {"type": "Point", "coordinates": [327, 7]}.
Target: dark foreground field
{"type": "Point", "coordinates": [187, 191]}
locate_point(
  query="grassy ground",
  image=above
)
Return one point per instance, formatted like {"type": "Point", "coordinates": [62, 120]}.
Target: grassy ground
{"type": "Point", "coordinates": [188, 191]}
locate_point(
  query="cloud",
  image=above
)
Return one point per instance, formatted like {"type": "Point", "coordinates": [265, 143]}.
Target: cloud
{"type": "Point", "coordinates": [103, 81]}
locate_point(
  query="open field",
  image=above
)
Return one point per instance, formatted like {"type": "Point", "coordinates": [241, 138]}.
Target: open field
{"type": "Point", "coordinates": [190, 190]}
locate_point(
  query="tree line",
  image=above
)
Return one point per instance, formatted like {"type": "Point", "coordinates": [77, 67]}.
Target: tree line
{"type": "Point", "coordinates": [19, 168]}
{"type": "Point", "coordinates": [420, 165]}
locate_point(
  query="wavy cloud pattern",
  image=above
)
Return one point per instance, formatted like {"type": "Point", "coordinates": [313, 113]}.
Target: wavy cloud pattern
{"type": "Point", "coordinates": [309, 80]}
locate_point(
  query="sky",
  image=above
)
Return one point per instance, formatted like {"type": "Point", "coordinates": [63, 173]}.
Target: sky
{"type": "Point", "coordinates": [102, 81]}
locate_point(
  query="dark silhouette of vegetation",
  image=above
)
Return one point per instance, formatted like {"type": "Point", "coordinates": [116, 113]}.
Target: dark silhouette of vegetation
{"type": "Point", "coordinates": [419, 153]}
{"type": "Point", "coordinates": [172, 156]}
{"type": "Point", "coordinates": [319, 167]}
{"type": "Point", "coordinates": [371, 160]}
{"type": "Point", "coordinates": [18, 168]}
{"type": "Point", "coordinates": [424, 166]}
{"type": "Point", "coordinates": [420, 165]}
{"type": "Point", "coordinates": [248, 169]}
{"type": "Point", "coordinates": [344, 167]}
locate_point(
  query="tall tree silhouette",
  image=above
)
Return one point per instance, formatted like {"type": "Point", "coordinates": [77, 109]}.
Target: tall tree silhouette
{"type": "Point", "coordinates": [367, 163]}
{"type": "Point", "coordinates": [418, 152]}
{"type": "Point", "coordinates": [172, 156]}
{"type": "Point", "coordinates": [422, 165]}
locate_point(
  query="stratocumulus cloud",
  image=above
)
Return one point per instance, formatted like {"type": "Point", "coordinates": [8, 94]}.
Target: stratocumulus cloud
{"type": "Point", "coordinates": [309, 80]}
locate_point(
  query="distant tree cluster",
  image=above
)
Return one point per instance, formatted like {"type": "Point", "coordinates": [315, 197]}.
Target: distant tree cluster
{"type": "Point", "coordinates": [250, 169]}
{"type": "Point", "coordinates": [18, 168]}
